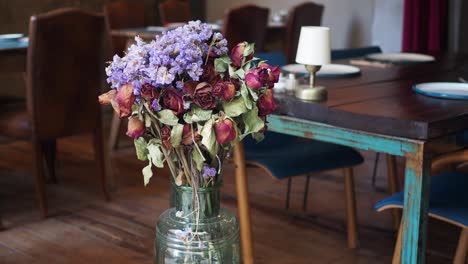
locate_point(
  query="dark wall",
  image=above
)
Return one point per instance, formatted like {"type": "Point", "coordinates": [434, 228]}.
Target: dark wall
{"type": "Point", "coordinates": [15, 14]}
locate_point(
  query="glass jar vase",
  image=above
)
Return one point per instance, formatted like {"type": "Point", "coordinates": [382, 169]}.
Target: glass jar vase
{"type": "Point", "coordinates": [197, 230]}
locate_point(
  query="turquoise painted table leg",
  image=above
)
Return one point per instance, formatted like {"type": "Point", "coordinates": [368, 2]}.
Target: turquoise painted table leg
{"type": "Point", "coordinates": [415, 210]}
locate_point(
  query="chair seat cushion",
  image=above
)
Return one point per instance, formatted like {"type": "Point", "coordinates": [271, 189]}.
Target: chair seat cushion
{"type": "Point", "coordinates": [286, 156]}
{"type": "Point", "coordinates": [14, 120]}
{"type": "Point", "coordinates": [448, 198]}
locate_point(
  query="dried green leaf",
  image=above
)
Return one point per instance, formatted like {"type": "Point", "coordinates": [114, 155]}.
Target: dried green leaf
{"type": "Point", "coordinates": [198, 158]}
{"type": "Point", "coordinates": [253, 123]}
{"type": "Point", "coordinates": [147, 173]}
{"type": "Point", "coordinates": [176, 135]}
{"type": "Point", "coordinates": [245, 96]}
{"type": "Point", "coordinates": [167, 117]}
{"type": "Point", "coordinates": [209, 137]}
{"type": "Point", "coordinates": [235, 107]}
{"type": "Point", "coordinates": [197, 114]}
{"type": "Point", "coordinates": [141, 149]}
{"type": "Point", "coordinates": [156, 155]}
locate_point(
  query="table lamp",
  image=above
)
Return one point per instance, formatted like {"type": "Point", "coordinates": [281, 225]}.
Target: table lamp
{"type": "Point", "coordinates": [313, 51]}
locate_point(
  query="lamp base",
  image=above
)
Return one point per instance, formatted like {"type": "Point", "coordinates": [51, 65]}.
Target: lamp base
{"type": "Point", "coordinates": [317, 93]}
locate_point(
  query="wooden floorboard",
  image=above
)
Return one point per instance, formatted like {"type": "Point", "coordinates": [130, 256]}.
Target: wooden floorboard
{"type": "Point", "coordinates": [86, 229]}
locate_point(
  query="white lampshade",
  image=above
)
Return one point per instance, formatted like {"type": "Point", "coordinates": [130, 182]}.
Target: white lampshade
{"type": "Point", "coordinates": [314, 46]}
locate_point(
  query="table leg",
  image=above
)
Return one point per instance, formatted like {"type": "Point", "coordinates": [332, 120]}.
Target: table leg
{"type": "Point", "coordinates": [417, 180]}
{"type": "Point", "coordinates": [243, 204]}
{"type": "Point", "coordinates": [392, 178]}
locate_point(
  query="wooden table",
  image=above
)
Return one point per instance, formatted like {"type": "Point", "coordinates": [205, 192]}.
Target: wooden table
{"type": "Point", "coordinates": [379, 111]}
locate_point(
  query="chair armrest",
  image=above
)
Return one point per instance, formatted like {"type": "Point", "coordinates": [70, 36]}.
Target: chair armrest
{"type": "Point", "coordinates": [448, 159]}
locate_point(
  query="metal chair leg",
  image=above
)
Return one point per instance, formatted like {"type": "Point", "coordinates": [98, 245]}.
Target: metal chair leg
{"type": "Point", "coordinates": [306, 193]}
{"type": "Point", "coordinates": [461, 255]}
{"type": "Point", "coordinates": [288, 193]}
{"type": "Point", "coordinates": [351, 214]}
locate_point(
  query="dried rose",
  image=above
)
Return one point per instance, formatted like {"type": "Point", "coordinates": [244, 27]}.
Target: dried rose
{"type": "Point", "coordinates": [166, 137]}
{"type": "Point", "coordinates": [224, 90]}
{"type": "Point", "coordinates": [172, 98]}
{"type": "Point", "coordinates": [189, 87]}
{"type": "Point", "coordinates": [187, 138]}
{"type": "Point", "coordinates": [107, 98]}
{"type": "Point", "coordinates": [262, 76]}
{"type": "Point", "coordinates": [135, 128]}
{"type": "Point", "coordinates": [203, 96]}
{"type": "Point", "coordinates": [225, 131]}
{"type": "Point", "coordinates": [237, 54]}
{"type": "Point", "coordinates": [124, 100]}
{"type": "Point", "coordinates": [273, 74]}
{"type": "Point", "coordinates": [256, 78]}
{"type": "Point", "coordinates": [149, 92]}
{"type": "Point", "coordinates": [209, 74]}
{"type": "Point", "coordinates": [266, 103]}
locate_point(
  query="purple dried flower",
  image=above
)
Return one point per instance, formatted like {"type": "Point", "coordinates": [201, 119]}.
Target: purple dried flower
{"type": "Point", "coordinates": [208, 172]}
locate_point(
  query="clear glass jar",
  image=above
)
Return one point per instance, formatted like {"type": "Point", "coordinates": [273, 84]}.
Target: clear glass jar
{"type": "Point", "coordinates": [182, 236]}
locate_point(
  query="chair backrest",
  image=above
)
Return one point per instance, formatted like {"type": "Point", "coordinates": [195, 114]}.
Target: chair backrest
{"type": "Point", "coordinates": [341, 54]}
{"type": "Point", "coordinates": [65, 65]}
{"type": "Point", "coordinates": [305, 14]}
{"type": "Point", "coordinates": [124, 14]}
{"type": "Point", "coordinates": [175, 11]}
{"type": "Point", "coordinates": [246, 23]}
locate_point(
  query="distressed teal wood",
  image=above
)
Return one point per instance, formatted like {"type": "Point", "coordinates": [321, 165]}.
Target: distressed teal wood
{"type": "Point", "coordinates": [417, 180]}
{"type": "Point", "coordinates": [361, 140]}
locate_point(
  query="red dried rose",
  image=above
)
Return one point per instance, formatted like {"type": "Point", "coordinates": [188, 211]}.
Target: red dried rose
{"type": "Point", "coordinates": [203, 96]}
{"type": "Point", "coordinates": [225, 131]}
{"type": "Point", "coordinates": [172, 98]}
{"type": "Point", "coordinates": [224, 90]}
{"type": "Point", "coordinates": [135, 128]}
{"type": "Point", "coordinates": [166, 137]}
{"type": "Point", "coordinates": [266, 103]}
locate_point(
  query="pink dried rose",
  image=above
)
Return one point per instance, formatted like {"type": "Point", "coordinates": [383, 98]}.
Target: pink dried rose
{"type": "Point", "coordinates": [203, 96]}
{"type": "Point", "coordinates": [266, 103]}
{"type": "Point", "coordinates": [188, 136]}
{"type": "Point", "coordinates": [225, 130]}
{"type": "Point", "coordinates": [237, 54]}
{"type": "Point", "coordinates": [106, 98]}
{"type": "Point", "coordinates": [124, 100]}
{"type": "Point", "coordinates": [262, 76]}
{"type": "Point", "coordinates": [166, 137]}
{"type": "Point", "coordinates": [224, 90]}
{"type": "Point", "coordinates": [172, 98]}
{"type": "Point", "coordinates": [135, 128]}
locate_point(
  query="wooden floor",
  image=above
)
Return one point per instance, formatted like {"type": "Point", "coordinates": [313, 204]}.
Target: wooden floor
{"type": "Point", "coordinates": [85, 229]}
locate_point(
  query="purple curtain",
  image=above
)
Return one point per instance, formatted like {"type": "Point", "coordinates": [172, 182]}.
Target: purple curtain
{"type": "Point", "coordinates": [424, 25]}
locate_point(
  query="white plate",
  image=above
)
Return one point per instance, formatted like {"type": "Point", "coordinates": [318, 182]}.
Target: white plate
{"type": "Point", "coordinates": [328, 70]}
{"type": "Point", "coordinates": [10, 37]}
{"type": "Point", "coordinates": [400, 58]}
{"type": "Point", "coordinates": [450, 90]}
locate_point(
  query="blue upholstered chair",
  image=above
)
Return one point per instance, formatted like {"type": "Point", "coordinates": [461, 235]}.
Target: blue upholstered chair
{"type": "Point", "coordinates": [448, 202]}
{"type": "Point", "coordinates": [283, 157]}
{"type": "Point", "coordinates": [341, 54]}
